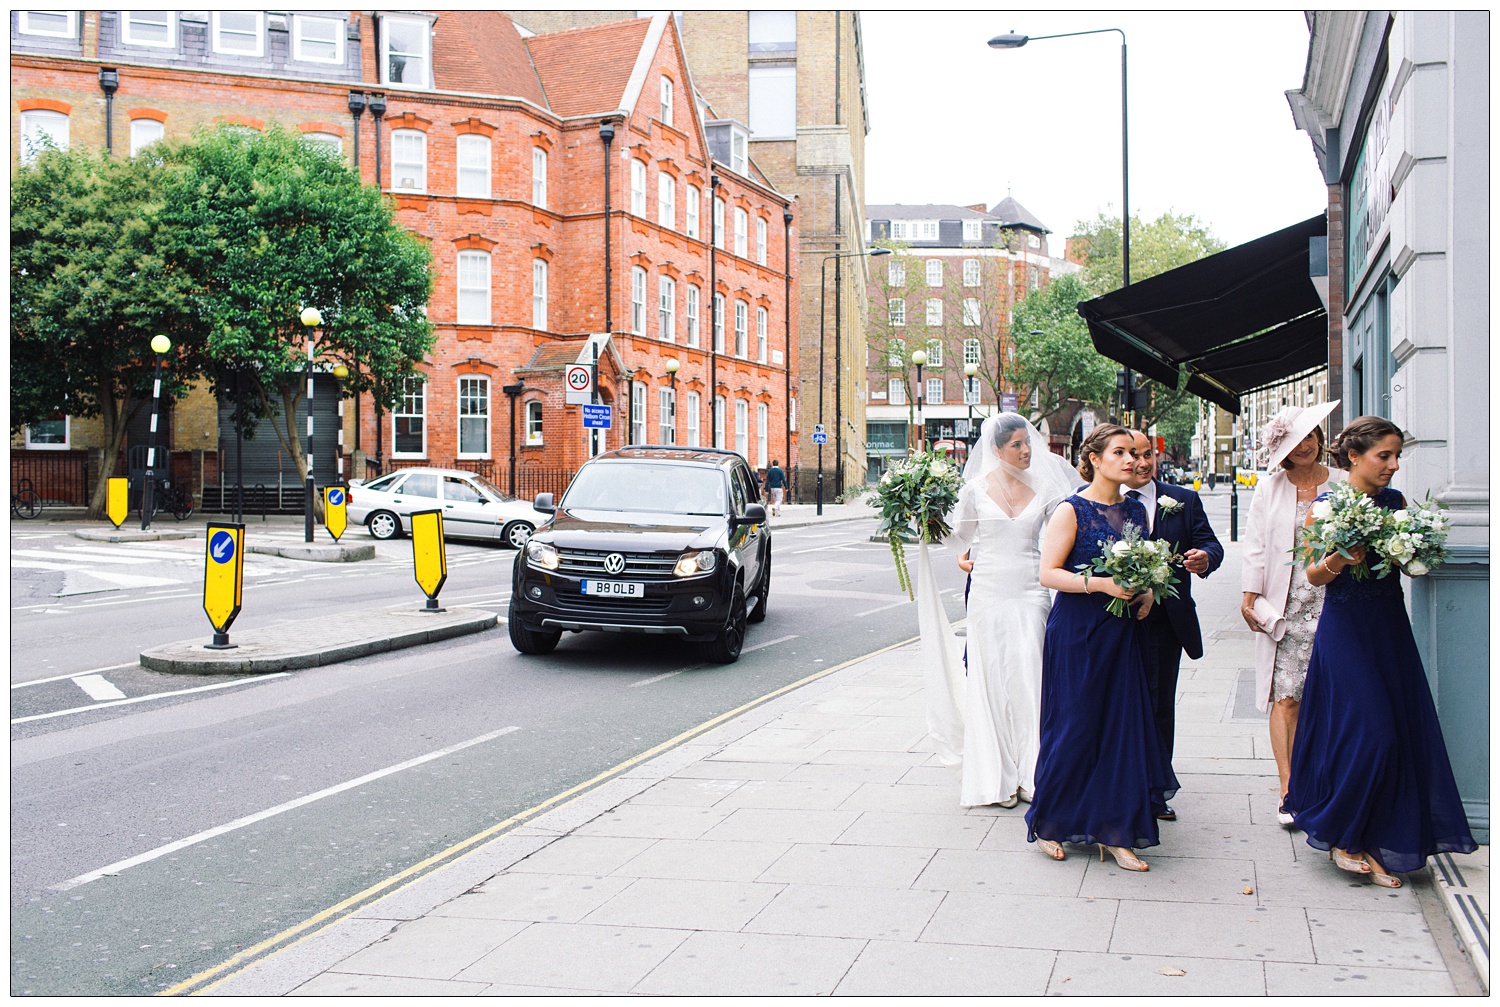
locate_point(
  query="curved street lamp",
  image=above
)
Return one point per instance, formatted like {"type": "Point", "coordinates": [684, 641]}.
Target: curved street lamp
{"type": "Point", "coordinates": [919, 357]}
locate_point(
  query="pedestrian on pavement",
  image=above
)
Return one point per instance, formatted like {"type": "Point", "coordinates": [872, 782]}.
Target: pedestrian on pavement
{"type": "Point", "coordinates": [1012, 484]}
{"type": "Point", "coordinates": [1280, 605]}
{"type": "Point", "coordinates": [776, 485]}
{"type": "Point", "coordinates": [1370, 781]}
{"type": "Point", "coordinates": [1101, 773]}
{"type": "Point", "coordinates": [1173, 514]}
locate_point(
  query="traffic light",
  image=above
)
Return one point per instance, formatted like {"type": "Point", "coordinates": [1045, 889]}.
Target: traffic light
{"type": "Point", "coordinates": [1140, 399]}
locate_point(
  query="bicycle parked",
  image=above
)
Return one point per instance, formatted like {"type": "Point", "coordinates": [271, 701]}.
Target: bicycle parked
{"type": "Point", "coordinates": [172, 499]}
{"type": "Point", "coordinates": [25, 502]}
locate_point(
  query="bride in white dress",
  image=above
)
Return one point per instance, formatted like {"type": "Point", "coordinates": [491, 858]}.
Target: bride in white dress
{"type": "Point", "coordinates": [986, 721]}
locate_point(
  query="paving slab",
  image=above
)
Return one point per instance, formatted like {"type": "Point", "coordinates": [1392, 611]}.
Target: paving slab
{"type": "Point", "coordinates": [339, 984]}
{"type": "Point", "coordinates": [898, 968]}
{"type": "Point", "coordinates": [700, 860]}
{"type": "Point", "coordinates": [1086, 973]}
{"type": "Point", "coordinates": [533, 898]}
{"type": "Point", "coordinates": [1286, 980]}
{"type": "Point", "coordinates": [1060, 923]}
{"type": "Point", "coordinates": [685, 904]}
{"type": "Point", "coordinates": [1373, 939]}
{"type": "Point", "coordinates": [312, 643]}
{"type": "Point", "coordinates": [1252, 933]}
{"type": "Point", "coordinates": [873, 866]}
{"type": "Point", "coordinates": [839, 911]}
{"type": "Point", "coordinates": [719, 964]}
{"type": "Point", "coordinates": [435, 947]}
{"type": "Point", "coordinates": [576, 956]}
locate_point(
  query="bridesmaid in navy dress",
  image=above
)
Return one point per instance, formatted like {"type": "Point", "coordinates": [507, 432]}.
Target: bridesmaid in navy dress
{"type": "Point", "coordinates": [1370, 780]}
{"type": "Point", "coordinates": [1100, 770]}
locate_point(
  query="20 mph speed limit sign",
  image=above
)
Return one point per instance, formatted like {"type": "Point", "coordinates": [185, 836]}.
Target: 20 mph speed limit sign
{"type": "Point", "coordinates": [580, 381]}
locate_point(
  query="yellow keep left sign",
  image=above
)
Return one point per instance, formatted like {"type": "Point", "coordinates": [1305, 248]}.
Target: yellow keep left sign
{"type": "Point", "coordinates": [429, 557]}
{"type": "Point", "coordinates": [335, 510]}
{"type": "Point", "coordinates": [117, 500]}
{"type": "Point", "coordinates": [223, 574]}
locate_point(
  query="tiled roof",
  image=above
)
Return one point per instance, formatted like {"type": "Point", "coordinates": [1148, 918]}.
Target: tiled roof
{"type": "Point", "coordinates": [585, 70]}
{"type": "Point", "coordinates": [480, 51]}
{"type": "Point", "coordinates": [923, 211]}
{"type": "Point", "coordinates": [1011, 213]}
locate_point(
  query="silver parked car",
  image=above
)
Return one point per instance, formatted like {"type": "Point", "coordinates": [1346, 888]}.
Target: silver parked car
{"type": "Point", "coordinates": [472, 506]}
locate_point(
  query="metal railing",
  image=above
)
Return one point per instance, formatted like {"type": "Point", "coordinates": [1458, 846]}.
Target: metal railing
{"type": "Point", "coordinates": [58, 477]}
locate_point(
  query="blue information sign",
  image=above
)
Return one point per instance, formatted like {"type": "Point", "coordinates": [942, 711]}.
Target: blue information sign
{"type": "Point", "coordinates": [336, 497]}
{"type": "Point", "coordinates": [221, 547]}
{"type": "Point", "coordinates": [820, 438]}
{"type": "Point", "coordinates": [596, 417]}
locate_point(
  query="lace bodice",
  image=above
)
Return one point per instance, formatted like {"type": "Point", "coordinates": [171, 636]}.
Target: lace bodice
{"type": "Point", "coordinates": [1101, 523]}
{"type": "Point", "coordinates": [1345, 587]}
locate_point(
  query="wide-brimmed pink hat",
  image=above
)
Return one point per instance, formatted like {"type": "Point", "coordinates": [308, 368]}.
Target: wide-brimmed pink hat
{"type": "Point", "coordinates": [1288, 427]}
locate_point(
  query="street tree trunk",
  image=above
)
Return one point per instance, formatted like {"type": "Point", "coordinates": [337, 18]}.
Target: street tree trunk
{"type": "Point", "coordinates": [116, 415]}
{"type": "Point", "coordinates": [285, 426]}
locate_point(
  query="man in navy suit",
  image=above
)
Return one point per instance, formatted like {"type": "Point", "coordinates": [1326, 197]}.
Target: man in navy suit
{"type": "Point", "coordinates": [1176, 515]}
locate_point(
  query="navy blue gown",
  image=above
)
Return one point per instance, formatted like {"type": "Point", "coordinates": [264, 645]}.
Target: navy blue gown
{"type": "Point", "coordinates": [1370, 772]}
{"type": "Point", "coordinates": [1100, 769]}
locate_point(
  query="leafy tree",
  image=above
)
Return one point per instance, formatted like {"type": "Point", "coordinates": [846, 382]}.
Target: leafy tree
{"type": "Point", "coordinates": [267, 224]}
{"type": "Point", "coordinates": [1055, 360]}
{"type": "Point", "coordinates": [89, 288]}
{"type": "Point", "coordinates": [1169, 241]}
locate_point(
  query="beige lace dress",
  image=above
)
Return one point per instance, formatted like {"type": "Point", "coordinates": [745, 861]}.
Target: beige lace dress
{"type": "Point", "coordinates": [1304, 603]}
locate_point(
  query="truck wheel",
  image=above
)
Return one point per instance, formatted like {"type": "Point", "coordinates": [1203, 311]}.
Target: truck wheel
{"type": "Point", "coordinates": [529, 641]}
{"type": "Point", "coordinates": [725, 649]}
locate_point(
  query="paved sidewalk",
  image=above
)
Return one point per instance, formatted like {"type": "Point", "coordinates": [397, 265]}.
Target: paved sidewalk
{"type": "Point", "coordinates": [810, 846]}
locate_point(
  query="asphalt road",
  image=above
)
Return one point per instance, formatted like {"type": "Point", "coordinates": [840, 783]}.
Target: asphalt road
{"type": "Point", "coordinates": [454, 737]}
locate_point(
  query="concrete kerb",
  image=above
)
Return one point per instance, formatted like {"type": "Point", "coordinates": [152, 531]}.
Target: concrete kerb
{"type": "Point", "coordinates": [124, 534]}
{"type": "Point", "coordinates": [319, 552]}
{"type": "Point", "coordinates": [311, 643]}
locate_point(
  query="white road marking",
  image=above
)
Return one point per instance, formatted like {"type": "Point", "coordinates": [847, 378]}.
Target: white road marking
{"type": "Point", "coordinates": [59, 678]}
{"type": "Point", "coordinates": [882, 608]}
{"type": "Point", "coordinates": [82, 557]}
{"type": "Point", "coordinates": [261, 816]}
{"type": "Point", "coordinates": [98, 687]}
{"type": "Point", "coordinates": [769, 643]}
{"type": "Point", "coordinates": [655, 678]}
{"type": "Point", "coordinates": [143, 699]}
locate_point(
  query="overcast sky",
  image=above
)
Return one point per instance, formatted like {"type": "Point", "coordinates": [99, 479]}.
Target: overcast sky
{"type": "Point", "coordinates": [954, 121]}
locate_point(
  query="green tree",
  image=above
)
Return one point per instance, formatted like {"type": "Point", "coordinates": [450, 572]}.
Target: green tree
{"type": "Point", "coordinates": [1169, 241]}
{"type": "Point", "coordinates": [1055, 360]}
{"type": "Point", "coordinates": [267, 224]}
{"type": "Point", "coordinates": [89, 288]}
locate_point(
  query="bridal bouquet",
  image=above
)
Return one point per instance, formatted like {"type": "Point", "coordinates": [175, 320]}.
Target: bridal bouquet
{"type": "Point", "coordinates": [1345, 520]}
{"type": "Point", "coordinates": [1415, 540]}
{"type": "Point", "coordinates": [920, 491]}
{"type": "Point", "coordinates": [1136, 564]}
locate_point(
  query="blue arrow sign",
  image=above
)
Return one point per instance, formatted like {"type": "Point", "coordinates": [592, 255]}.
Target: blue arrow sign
{"type": "Point", "coordinates": [336, 497]}
{"type": "Point", "coordinates": [222, 547]}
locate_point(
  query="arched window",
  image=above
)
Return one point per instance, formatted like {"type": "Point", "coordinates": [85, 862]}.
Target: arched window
{"type": "Point", "coordinates": [534, 423]}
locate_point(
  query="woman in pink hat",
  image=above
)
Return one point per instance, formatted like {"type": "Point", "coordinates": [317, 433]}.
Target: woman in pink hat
{"type": "Point", "coordinates": [1280, 609]}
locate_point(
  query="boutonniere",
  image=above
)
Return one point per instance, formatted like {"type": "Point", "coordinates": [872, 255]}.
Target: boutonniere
{"type": "Point", "coordinates": [1169, 505]}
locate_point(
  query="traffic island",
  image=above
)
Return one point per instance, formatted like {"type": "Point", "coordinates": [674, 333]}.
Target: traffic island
{"type": "Point", "coordinates": [318, 552]}
{"type": "Point", "coordinates": [135, 534]}
{"type": "Point", "coordinates": [311, 643]}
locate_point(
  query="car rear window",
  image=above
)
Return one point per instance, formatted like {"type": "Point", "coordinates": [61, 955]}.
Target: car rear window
{"type": "Point", "coordinates": [384, 482]}
{"type": "Point", "coordinates": [660, 489]}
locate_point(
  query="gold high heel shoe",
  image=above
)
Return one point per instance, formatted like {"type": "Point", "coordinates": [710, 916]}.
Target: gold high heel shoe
{"type": "Point", "coordinates": [1124, 859]}
{"type": "Point", "coordinates": [1051, 849]}
{"type": "Point", "coordinates": [1344, 862]}
{"type": "Point", "coordinates": [1381, 878]}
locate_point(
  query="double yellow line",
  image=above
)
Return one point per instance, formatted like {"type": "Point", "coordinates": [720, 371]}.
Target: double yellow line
{"type": "Point", "coordinates": [271, 946]}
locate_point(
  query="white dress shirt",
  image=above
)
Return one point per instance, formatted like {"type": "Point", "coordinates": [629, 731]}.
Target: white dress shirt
{"type": "Point", "coordinates": [1147, 496]}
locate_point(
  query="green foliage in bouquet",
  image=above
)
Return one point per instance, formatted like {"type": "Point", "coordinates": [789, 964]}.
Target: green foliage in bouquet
{"type": "Point", "coordinates": [1136, 564]}
{"type": "Point", "coordinates": [1414, 540]}
{"type": "Point", "coordinates": [915, 497]}
{"type": "Point", "coordinates": [1343, 521]}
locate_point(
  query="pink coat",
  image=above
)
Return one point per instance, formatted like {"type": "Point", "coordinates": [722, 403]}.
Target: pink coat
{"type": "Point", "coordinates": [1267, 568]}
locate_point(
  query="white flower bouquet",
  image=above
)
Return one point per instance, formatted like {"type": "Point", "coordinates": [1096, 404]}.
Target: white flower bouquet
{"type": "Point", "coordinates": [1344, 521]}
{"type": "Point", "coordinates": [1136, 564]}
{"type": "Point", "coordinates": [1415, 540]}
{"type": "Point", "coordinates": [920, 492]}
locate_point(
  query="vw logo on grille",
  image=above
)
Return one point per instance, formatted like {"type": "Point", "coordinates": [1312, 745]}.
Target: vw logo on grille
{"type": "Point", "coordinates": [614, 564]}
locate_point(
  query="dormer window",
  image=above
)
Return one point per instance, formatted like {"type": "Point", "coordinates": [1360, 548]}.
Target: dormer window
{"type": "Point", "coordinates": [666, 101]}
{"type": "Point", "coordinates": [971, 230]}
{"type": "Point", "coordinates": [738, 144]}
{"type": "Point", "coordinates": [51, 23]}
{"type": "Point", "coordinates": [1033, 241]}
{"type": "Point", "coordinates": [317, 39]}
{"type": "Point", "coordinates": [149, 27]}
{"type": "Point", "coordinates": [239, 32]}
{"type": "Point", "coordinates": [406, 51]}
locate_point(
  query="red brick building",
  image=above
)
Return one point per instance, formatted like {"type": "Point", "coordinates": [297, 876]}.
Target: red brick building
{"type": "Point", "coordinates": [493, 148]}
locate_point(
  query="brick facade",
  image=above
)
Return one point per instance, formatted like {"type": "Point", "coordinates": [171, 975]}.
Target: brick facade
{"type": "Point", "coordinates": [496, 342]}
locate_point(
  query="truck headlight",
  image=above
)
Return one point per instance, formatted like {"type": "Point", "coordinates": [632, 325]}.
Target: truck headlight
{"type": "Point", "coordinates": [541, 554]}
{"type": "Point", "coordinates": [694, 563]}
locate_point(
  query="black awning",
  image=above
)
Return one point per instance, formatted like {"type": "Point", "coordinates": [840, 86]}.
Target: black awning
{"type": "Point", "coordinates": [1203, 314]}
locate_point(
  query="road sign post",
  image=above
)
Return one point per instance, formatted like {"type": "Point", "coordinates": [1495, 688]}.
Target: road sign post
{"type": "Point", "coordinates": [117, 501]}
{"type": "Point", "coordinates": [223, 580]}
{"type": "Point", "coordinates": [429, 557]}
{"type": "Point", "coordinates": [335, 510]}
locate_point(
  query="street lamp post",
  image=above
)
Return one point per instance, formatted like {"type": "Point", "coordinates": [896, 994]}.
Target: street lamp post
{"type": "Point", "coordinates": [312, 318]}
{"type": "Point", "coordinates": [673, 365]}
{"type": "Point", "coordinates": [159, 345]}
{"type": "Point", "coordinates": [970, 370]}
{"type": "Point", "coordinates": [1011, 40]}
{"type": "Point", "coordinates": [822, 325]}
{"type": "Point", "coordinates": [919, 357]}
{"type": "Point", "coordinates": [340, 372]}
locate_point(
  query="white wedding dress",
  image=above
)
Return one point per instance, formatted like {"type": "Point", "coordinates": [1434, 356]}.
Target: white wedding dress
{"type": "Point", "coordinates": [986, 721]}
